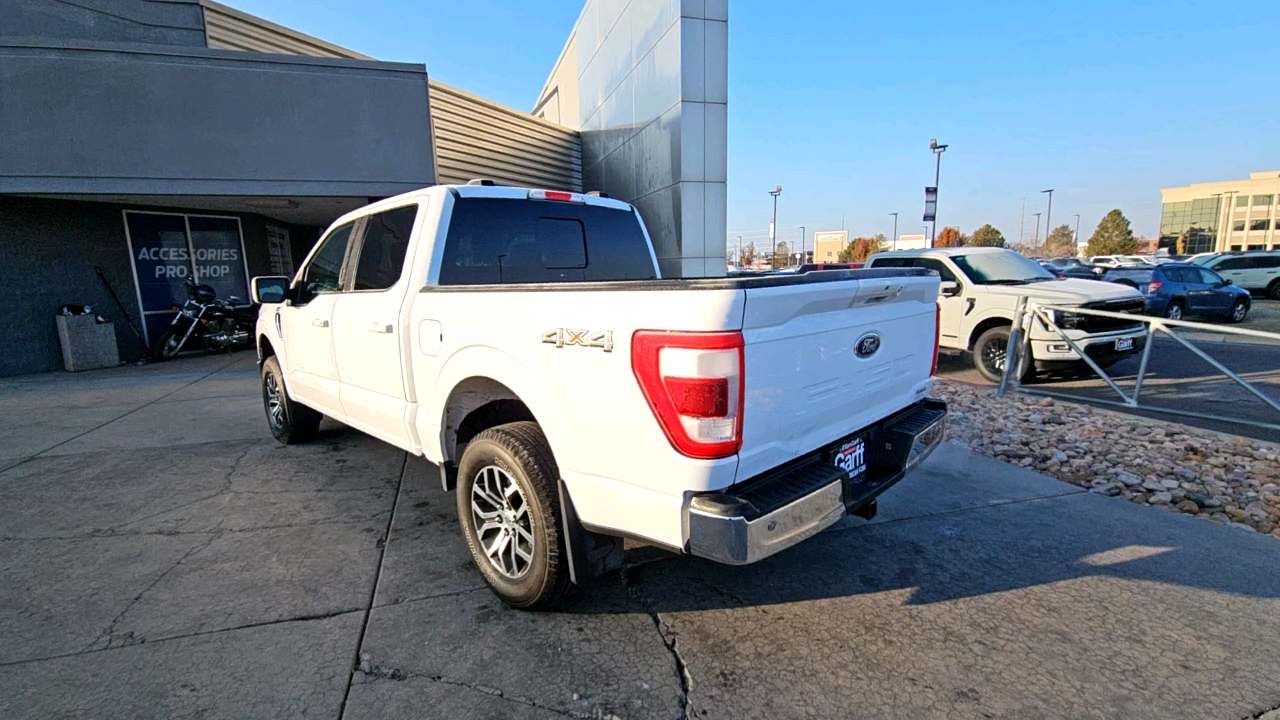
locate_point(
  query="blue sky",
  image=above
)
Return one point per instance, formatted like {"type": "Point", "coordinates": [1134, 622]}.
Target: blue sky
{"type": "Point", "coordinates": [1106, 102]}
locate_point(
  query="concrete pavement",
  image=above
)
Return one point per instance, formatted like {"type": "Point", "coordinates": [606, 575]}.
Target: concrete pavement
{"type": "Point", "coordinates": [161, 556]}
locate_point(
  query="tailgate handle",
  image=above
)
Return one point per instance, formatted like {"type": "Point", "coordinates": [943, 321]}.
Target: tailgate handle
{"type": "Point", "coordinates": [870, 291]}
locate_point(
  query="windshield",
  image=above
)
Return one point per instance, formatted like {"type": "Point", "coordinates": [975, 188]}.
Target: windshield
{"type": "Point", "coordinates": [1002, 268]}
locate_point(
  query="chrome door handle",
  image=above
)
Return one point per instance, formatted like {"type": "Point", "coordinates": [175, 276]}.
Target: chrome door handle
{"type": "Point", "coordinates": [380, 328]}
{"type": "Point", "coordinates": [320, 323]}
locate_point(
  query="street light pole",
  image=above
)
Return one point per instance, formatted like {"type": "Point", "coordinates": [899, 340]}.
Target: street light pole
{"type": "Point", "coordinates": [1077, 242]}
{"type": "Point", "coordinates": [1036, 242]}
{"type": "Point", "coordinates": [1048, 217]}
{"type": "Point", "coordinates": [773, 227]}
{"type": "Point", "coordinates": [895, 230]}
{"type": "Point", "coordinates": [739, 252]}
{"type": "Point", "coordinates": [937, 175]}
{"type": "Point", "coordinates": [802, 234]}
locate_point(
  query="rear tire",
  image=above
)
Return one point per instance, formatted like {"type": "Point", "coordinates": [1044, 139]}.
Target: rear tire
{"type": "Point", "coordinates": [1175, 310]}
{"type": "Point", "coordinates": [1239, 311]}
{"type": "Point", "coordinates": [1273, 290]}
{"type": "Point", "coordinates": [291, 423]}
{"type": "Point", "coordinates": [990, 352]}
{"type": "Point", "coordinates": [509, 508]}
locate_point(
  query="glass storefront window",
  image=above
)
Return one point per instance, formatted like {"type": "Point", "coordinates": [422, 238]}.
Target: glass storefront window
{"type": "Point", "coordinates": [169, 250]}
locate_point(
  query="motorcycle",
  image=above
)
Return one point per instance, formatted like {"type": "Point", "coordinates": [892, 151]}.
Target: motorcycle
{"type": "Point", "coordinates": [219, 324]}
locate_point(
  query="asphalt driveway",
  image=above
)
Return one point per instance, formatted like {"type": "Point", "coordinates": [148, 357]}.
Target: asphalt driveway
{"type": "Point", "coordinates": [161, 556]}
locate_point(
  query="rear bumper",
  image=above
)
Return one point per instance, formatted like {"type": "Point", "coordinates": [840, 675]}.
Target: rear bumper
{"type": "Point", "coordinates": [767, 514]}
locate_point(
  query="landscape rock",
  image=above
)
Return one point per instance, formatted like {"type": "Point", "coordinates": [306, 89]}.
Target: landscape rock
{"type": "Point", "coordinates": [1172, 467]}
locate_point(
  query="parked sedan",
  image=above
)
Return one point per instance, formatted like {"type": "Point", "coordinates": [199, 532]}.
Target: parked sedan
{"type": "Point", "coordinates": [1176, 290]}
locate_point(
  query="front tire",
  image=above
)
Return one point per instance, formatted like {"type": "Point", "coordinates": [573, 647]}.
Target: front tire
{"type": "Point", "coordinates": [291, 423]}
{"type": "Point", "coordinates": [1239, 311]}
{"type": "Point", "coordinates": [510, 513]}
{"type": "Point", "coordinates": [990, 353]}
{"type": "Point", "coordinates": [169, 343]}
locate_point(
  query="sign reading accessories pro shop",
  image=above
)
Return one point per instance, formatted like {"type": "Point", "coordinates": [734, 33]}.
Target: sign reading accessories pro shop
{"type": "Point", "coordinates": [170, 250]}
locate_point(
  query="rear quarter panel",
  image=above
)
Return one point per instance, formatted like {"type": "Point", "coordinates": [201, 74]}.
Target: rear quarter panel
{"type": "Point", "coordinates": [620, 468]}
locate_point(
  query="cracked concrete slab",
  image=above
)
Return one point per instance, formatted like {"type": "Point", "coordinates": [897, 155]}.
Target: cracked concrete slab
{"type": "Point", "coordinates": [56, 597]}
{"type": "Point", "coordinates": [602, 647]}
{"type": "Point", "coordinates": [1070, 607]}
{"type": "Point", "coordinates": [292, 669]}
{"type": "Point", "coordinates": [426, 555]}
{"type": "Point", "coordinates": [416, 696]}
{"type": "Point", "coordinates": [207, 571]}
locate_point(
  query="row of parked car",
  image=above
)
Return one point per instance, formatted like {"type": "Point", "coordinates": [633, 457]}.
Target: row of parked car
{"type": "Point", "coordinates": [1210, 284]}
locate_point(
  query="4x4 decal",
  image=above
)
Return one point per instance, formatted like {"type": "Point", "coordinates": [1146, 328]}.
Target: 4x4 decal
{"type": "Point", "coordinates": [560, 337]}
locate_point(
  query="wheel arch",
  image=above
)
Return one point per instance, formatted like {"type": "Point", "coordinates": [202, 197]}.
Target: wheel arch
{"type": "Point", "coordinates": [985, 325]}
{"type": "Point", "coordinates": [478, 389]}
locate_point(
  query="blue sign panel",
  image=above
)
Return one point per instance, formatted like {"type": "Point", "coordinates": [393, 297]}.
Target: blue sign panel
{"type": "Point", "coordinates": [166, 258]}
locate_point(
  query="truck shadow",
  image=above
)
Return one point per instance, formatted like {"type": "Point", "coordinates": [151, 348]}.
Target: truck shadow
{"type": "Point", "coordinates": [966, 554]}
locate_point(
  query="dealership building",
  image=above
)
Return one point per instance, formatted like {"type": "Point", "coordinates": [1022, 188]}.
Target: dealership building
{"type": "Point", "coordinates": [1223, 216]}
{"type": "Point", "coordinates": [165, 140]}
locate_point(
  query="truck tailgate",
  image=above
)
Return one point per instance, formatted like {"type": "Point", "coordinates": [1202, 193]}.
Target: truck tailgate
{"type": "Point", "coordinates": [806, 387]}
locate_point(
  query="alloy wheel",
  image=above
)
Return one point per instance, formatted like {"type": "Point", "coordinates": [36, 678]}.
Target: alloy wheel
{"type": "Point", "coordinates": [1174, 312]}
{"type": "Point", "coordinates": [275, 401]}
{"type": "Point", "coordinates": [500, 516]}
{"type": "Point", "coordinates": [994, 354]}
{"type": "Point", "coordinates": [1239, 312]}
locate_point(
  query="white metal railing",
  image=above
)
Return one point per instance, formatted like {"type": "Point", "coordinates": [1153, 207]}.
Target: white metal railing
{"type": "Point", "coordinates": [1019, 353]}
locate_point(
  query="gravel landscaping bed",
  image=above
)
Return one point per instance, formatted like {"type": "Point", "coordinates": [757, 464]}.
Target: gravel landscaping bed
{"type": "Point", "coordinates": [1220, 478]}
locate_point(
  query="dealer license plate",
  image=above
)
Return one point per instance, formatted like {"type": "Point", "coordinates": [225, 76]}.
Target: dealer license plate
{"type": "Point", "coordinates": [851, 456]}
{"type": "Point", "coordinates": [1123, 344]}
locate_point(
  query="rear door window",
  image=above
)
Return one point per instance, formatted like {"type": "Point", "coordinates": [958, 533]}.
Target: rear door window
{"type": "Point", "coordinates": [382, 252]}
{"type": "Point", "coordinates": [937, 266]}
{"type": "Point", "coordinates": [503, 241]}
{"type": "Point", "coordinates": [1209, 277]}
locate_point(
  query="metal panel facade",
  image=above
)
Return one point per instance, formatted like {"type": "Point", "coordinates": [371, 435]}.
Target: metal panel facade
{"type": "Point", "coordinates": [187, 121]}
{"type": "Point", "coordinates": [649, 83]}
{"type": "Point", "coordinates": [229, 29]}
{"type": "Point", "coordinates": [476, 138]}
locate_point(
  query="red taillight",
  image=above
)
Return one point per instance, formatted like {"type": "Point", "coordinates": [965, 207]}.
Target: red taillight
{"type": "Point", "coordinates": [694, 384]}
{"type": "Point", "coordinates": [1153, 287]}
{"type": "Point", "coordinates": [556, 195]}
{"type": "Point", "coordinates": [937, 337]}
{"type": "Point", "coordinates": [699, 397]}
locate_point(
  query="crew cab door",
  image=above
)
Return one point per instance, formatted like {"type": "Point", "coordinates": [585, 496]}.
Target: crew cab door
{"type": "Point", "coordinates": [306, 322]}
{"type": "Point", "coordinates": [367, 329]}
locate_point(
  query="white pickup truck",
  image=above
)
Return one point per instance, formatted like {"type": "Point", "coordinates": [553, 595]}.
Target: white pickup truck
{"type": "Point", "coordinates": [523, 341]}
{"type": "Point", "coordinates": [981, 287]}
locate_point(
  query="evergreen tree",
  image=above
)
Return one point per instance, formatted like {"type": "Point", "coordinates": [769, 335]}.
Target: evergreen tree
{"type": "Point", "coordinates": [1113, 236]}
{"type": "Point", "coordinates": [987, 236]}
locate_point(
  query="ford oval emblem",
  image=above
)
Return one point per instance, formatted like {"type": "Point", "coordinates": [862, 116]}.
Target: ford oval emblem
{"type": "Point", "coordinates": [867, 345]}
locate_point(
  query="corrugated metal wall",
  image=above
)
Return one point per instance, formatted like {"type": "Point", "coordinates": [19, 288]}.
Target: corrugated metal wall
{"type": "Point", "coordinates": [229, 29]}
{"type": "Point", "coordinates": [476, 138]}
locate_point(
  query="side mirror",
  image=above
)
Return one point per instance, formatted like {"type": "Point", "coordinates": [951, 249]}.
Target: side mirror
{"type": "Point", "coordinates": [1228, 282]}
{"type": "Point", "coordinates": [949, 288]}
{"type": "Point", "coordinates": [270, 290]}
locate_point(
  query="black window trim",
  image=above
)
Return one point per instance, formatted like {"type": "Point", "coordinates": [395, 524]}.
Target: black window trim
{"type": "Point", "coordinates": [342, 269]}
{"type": "Point", "coordinates": [352, 262]}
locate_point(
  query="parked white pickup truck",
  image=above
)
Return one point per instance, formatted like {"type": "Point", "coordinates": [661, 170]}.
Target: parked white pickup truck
{"type": "Point", "coordinates": [981, 286]}
{"type": "Point", "coordinates": [523, 341]}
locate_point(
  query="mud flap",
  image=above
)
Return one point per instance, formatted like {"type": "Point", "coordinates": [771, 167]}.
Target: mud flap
{"type": "Point", "coordinates": [590, 554]}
